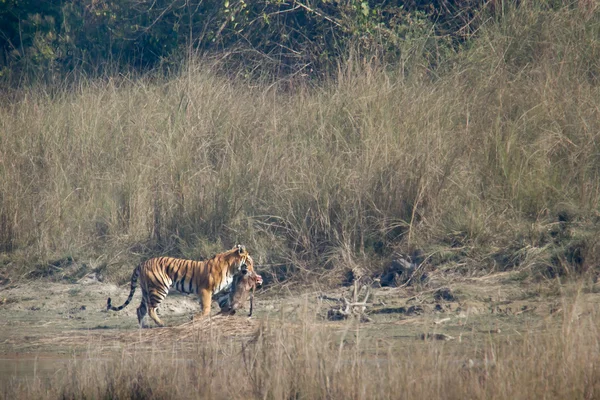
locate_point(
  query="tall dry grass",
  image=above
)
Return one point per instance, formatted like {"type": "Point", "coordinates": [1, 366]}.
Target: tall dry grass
{"type": "Point", "coordinates": [492, 151]}
{"type": "Point", "coordinates": [311, 360]}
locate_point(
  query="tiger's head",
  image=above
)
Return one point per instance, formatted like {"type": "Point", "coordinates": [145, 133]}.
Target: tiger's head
{"type": "Point", "coordinates": [246, 265]}
{"type": "Point", "coordinates": [251, 272]}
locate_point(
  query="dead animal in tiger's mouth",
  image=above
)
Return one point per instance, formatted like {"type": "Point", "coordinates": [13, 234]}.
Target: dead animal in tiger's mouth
{"type": "Point", "coordinates": [244, 285]}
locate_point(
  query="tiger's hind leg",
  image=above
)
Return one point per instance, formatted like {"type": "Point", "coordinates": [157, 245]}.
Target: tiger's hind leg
{"type": "Point", "coordinates": [151, 299]}
{"type": "Point", "coordinates": [154, 316]}
{"type": "Point", "coordinates": [142, 310]}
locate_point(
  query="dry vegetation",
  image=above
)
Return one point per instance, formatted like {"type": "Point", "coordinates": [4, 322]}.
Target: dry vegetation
{"type": "Point", "coordinates": [308, 359]}
{"type": "Point", "coordinates": [492, 159]}
{"type": "Point", "coordinates": [490, 162]}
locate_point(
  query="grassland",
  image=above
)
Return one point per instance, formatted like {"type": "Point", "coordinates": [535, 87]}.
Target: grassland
{"type": "Point", "coordinates": [492, 159]}
{"type": "Point", "coordinates": [485, 166]}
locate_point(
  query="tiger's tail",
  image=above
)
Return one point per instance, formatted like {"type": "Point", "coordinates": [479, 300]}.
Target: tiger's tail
{"type": "Point", "coordinates": [134, 279]}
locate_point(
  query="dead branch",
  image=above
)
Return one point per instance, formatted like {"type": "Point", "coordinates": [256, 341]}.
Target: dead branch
{"type": "Point", "coordinates": [354, 308]}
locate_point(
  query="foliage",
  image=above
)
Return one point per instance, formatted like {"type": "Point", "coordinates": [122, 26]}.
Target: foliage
{"type": "Point", "coordinates": [54, 36]}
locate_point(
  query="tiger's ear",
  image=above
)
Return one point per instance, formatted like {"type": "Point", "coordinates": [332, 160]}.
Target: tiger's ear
{"type": "Point", "coordinates": [241, 249]}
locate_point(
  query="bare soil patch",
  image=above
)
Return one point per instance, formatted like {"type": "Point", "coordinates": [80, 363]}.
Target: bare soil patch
{"type": "Point", "coordinates": [53, 321]}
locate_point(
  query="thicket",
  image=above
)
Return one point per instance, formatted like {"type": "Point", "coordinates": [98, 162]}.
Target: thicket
{"type": "Point", "coordinates": [45, 40]}
{"type": "Point", "coordinates": [488, 161]}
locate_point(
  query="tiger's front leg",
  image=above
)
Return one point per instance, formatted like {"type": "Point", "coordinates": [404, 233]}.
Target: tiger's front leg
{"type": "Point", "coordinates": [206, 300]}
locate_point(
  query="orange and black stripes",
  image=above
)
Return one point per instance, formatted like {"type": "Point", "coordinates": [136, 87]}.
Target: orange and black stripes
{"type": "Point", "coordinates": [205, 278]}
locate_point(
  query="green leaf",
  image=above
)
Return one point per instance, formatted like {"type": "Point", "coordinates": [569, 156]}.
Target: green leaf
{"type": "Point", "coordinates": [365, 8]}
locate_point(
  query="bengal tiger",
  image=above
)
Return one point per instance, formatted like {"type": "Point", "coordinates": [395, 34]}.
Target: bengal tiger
{"type": "Point", "coordinates": [204, 278]}
{"type": "Point", "coordinates": [244, 284]}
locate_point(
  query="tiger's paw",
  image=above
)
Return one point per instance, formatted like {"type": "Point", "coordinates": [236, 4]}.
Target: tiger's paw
{"type": "Point", "coordinates": [198, 317]}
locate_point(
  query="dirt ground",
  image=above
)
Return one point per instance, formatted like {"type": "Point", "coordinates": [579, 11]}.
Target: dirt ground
{"type": "Point", "coordinates": [43, 325]}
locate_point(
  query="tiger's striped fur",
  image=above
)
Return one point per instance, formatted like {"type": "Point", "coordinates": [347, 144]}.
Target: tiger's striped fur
{"type": "Point", "coordinates": [204, 278]}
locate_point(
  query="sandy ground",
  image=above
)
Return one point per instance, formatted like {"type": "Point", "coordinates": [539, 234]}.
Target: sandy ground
{"type": "Point", "coordinates": [45, 324]}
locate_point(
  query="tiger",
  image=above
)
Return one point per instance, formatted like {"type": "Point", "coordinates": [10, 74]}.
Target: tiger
{"type": "Point", "coordinates": [204, 278]}
{"type": "Point", "coordinates": [244, 284]}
